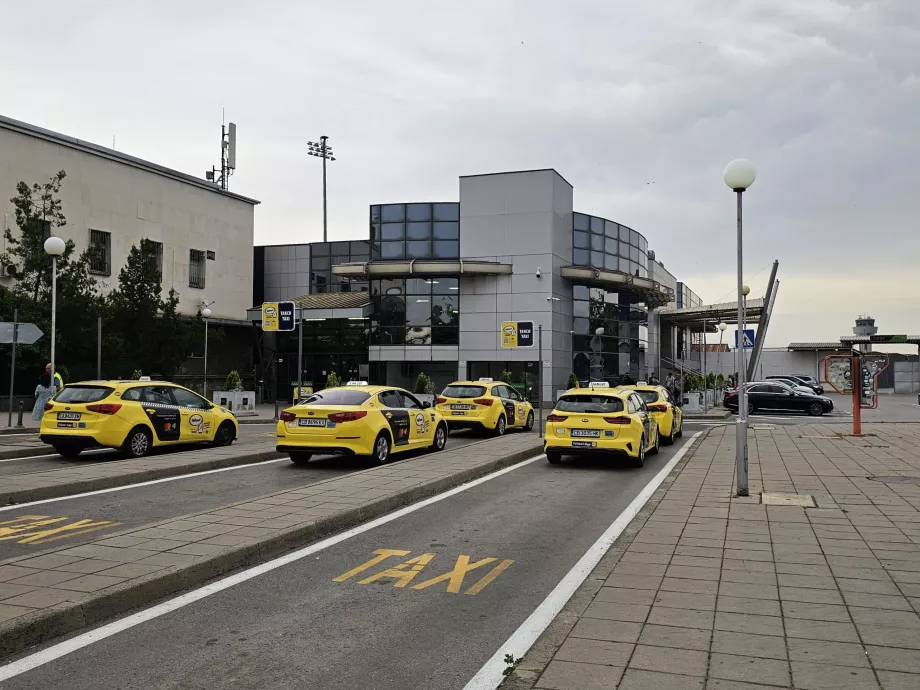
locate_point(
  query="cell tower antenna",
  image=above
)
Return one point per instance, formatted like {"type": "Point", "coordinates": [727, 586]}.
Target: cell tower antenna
{"type": "Point", "coordinates": [227, 154]}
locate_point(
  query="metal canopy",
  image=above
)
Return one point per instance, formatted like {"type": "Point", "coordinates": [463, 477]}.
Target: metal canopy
{"type": "Point", "coordinates": [407, 268]}
{"type": "Point", "coordinates": [882, 339]}
{"type": "Point", "coordinates": [653, 293]}
{"type": "Point", "coordinates": [712, 314]}
{"type": "Point", "coordinates": [325, 305]}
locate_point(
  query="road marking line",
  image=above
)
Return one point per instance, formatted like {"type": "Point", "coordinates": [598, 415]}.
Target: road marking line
{"type": "Point", "coordinates": [491, 575]}
{"type": "Point", "coordinates": [490, 675]}
{"type": "Point", "coordinates": [56, 651]}
{"type": "Point", "coordinates": [55, 455]}
{"type": "Point", "coordinates": [17, 506]}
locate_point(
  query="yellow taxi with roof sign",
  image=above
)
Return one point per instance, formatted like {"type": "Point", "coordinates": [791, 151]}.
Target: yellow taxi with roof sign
{"type": "Point", "coordinates": [134, 416]}
{"type": "Point", "coordinates": [486, 405]}
{"type": "Point", "coordinates": [601, 420]}
{"type": "Point", "coordinates": [359, 419]}
{"type": "Point", "coordinates": [663, 408]}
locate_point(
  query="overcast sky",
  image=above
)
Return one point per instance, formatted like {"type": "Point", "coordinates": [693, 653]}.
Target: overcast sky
{"type": "Point", "coordinates": [638, 105]}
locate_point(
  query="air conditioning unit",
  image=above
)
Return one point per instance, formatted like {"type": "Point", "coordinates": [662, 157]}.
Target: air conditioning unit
{"type": "Point", "coordinates": [9, 270]}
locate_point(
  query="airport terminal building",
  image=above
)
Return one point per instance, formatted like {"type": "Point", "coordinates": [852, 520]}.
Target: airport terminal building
{"type": "Point", "coordinates": [431, 287]}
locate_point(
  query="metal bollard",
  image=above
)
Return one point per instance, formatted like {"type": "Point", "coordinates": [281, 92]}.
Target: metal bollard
{"type": "Point", "coordinates": [19, 421]}
{"type": "Point", "coordinates": [230, 405]}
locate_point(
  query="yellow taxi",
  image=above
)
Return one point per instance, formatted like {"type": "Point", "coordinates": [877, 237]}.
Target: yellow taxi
{"type": "Point", "coordinates": [603, 420]}
{"type": "Point", "coordinates": [358, 419]}
{"type": "Point", "coordinates": [669, 416]}
{"type": "Point", "coordinates": [485, 405]}
{"type": "Point", "coordinates": [134, 416]}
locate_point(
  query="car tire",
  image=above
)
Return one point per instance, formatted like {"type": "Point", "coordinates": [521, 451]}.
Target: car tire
{"type": "Point", "coordinates": [680, 430]}
{"type": "Point", "coordinates": [669, 439]}
{"type": "Point", "coordinates": [750, 408]}
{"type": "Point", "coordinates": [138, 443]}
{"type": "Point", "coordinates": [654, 450]}
{"type": "Point", "coordinates": [500, 426]}
{"type": "Point", "coordinates": [381, 452]}
{"type": "Point", "coordinates": [554, 458]}
{"type": "Point", "coordinates": [225, 435]}
{"type": "Point", "coordinates": [440, 438]}
{"type": "Point", "coordinates": [816, 409]}
{"type": "Point", "coordinates": [639, 460]}
{"type": "Point", "coordinates": [68, 451]}
{"type": "Point", "coordinates": [299, 457]}
{"type": "Point", "coordinates": [528, 425]}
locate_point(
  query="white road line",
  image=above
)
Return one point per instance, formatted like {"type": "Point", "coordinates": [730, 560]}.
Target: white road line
{"type": "Point", "coordinates": [68, 646]}
{"type": "Point", "coordinates": [490, 675]}
{"type": "Point", "coordinates": [192, 475]}
{"type": "Point", "coordinates": [55, 455]}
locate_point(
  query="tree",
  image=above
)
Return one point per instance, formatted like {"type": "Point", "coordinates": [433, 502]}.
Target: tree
{"type": "Point", "coordinates": [573, 381]}
{"type": "Point", "coordinates": [422, 383]}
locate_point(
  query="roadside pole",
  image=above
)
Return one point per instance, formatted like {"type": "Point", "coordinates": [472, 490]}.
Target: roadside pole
{"type": "Point", "coordinates": [299, 357]}
{"type": "Point", "coordinates": [9, 421]}
{"type": "Point", "coordinates": [275, 382]}
{"type": "Point", "coordinates": [857, 395]}
{"type": "Point", "coordinates": [540, 395]}
{"type": "Point", "coordinates": [705, 373]}
{"type": "Point", "coordinates": [99, 349]}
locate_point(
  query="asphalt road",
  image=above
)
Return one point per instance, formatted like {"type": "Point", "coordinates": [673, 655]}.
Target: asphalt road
{"type": "Point", "coordinates": [309, 624]}
{"type": "Point", "coordinates": [135, 506]}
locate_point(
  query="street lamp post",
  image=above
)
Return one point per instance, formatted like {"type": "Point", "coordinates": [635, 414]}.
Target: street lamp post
{"type": "Point", "coordinates": [322, 149]}
{"type": "Point", "coordinates": [54, 246]}
{"type": "Point", "coordinates": [722, 327]}
{"type": "Point", "coordinates": [739, 175]}
{"type": "Point", "coordinates": [206, 314]}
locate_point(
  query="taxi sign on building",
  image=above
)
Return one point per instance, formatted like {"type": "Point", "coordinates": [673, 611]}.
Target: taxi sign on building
{"type": "Point", "coordinates": [517, 334]}
{"type": "Point", "coordinates": [277, 316]}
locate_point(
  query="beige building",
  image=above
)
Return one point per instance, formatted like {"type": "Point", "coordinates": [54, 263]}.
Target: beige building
{"type": "Point", "coordinates": [204, 234]}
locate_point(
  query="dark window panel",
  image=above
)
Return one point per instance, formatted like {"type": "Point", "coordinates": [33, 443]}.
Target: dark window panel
{"type": "Point", "coordinates": [580, 292]}
{"type": "Point", "coordinates": [447, 212]}
{"type": "Point", "coordinates": [320, 263]}
{"type": "Point", "coordinates": [581, 257]}
{"type": "Point", "coordinates": [597, 225]}
{"type": "Point", "coordinates": [446, 286]}
{"type": "Point", "coordinates": [582, 240]}
{"type": "Point", "coordinates": [393, 212]}
{"type": "Point", "coordinates": [444, 249]}
{"type": "Point", "coordinates": [580, 221]}
{"type": "Point", "coordinates": [597, 243]}
{"type": "Point", "coordinates": [320, 249]}
{"type": "Point", "coordinates": [392, 250]}
{"type": "Point", "coordinates": [393, 231]}
{"type": "Point", "coordinates": [611, 262]}
{"type": "Point", "coordinates": [611, 229]}
{"type": "Point", "coordinates": [418, 231]}
{"type": "Point", "coordinates": [597, 259]}
{"type": "Point", "coordinates": [624, 234]}
{"type": "Point", "coordinates": [610, 246]}
{"type": "Point", "coordinates": [375, 214]}
{"type": "Point", "coordinates": [634, 238]}
{"type": "Point", "coordinates": [418, 250]}
{"type": "Point", "coordinates": [446, 231]}
{"type": "Point", "coordinates": [416, 212]}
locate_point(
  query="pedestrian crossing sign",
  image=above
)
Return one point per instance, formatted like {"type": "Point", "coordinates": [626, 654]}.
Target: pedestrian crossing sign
{"type": "Point", "coordinates": [748, 339]}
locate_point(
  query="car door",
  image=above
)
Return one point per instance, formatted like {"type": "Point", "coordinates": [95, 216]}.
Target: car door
{"type": "Point", "coordinates": [504, 394]}
{"type": "Point", "coordinates": [639, 408]}
{"type": "Point", "coordinates": [421, 427]}
{"type": "Point", "coordinates": [196, 420]}
{"type": "Point", "coordinates": [162, 412]}
{"type": "Point", "coordinates": [397, 417]}
{"type": "Point", "coordinates": [520, 408]}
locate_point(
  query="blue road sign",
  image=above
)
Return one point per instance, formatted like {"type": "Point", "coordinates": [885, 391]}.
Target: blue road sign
{"type": "Point", "coordinates": [748, 338]}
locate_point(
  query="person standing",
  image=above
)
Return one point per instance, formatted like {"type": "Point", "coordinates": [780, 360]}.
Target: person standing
{"type": "Point", "coordinates": [58, 379]}
{"type": "Point", "coordinates": [43, 392]}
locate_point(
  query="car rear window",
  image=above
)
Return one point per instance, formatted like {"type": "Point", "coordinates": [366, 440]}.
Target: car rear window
{"type": "Point", "coordinates": [83, 394]}
{"type": "Point", "coordinates": [463, 391]}
{"type": "Point", "coordinates": [589, 403]}
{"type": "Point", "coordinates": [337, 397]}
{"type": "Point", "coordinates": [648, 396]}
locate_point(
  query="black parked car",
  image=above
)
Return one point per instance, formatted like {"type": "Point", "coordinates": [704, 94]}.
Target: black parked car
{"type": "Point", "coordinates": [797, 380]}
{"type": "Point", "coordinates": [767, 395]}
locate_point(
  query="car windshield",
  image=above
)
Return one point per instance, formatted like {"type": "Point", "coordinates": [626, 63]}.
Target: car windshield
{"type": "Point", "coordinates": [648, 396]}
{"type": "Point", "coordinates": [464, 391]}
{"type": "Point", "coordinates": [600, 404]}
{"type": "Point", "coordinates": [83, 394]}
{"type": "Point", "coordinates": [337, 397]}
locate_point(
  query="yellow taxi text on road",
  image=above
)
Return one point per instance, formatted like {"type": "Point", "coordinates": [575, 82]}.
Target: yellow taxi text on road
{"type": "Point", "coordinates": [134, 416]}
{"type": "Point", "coordinates": [669, 416]}
{"type": "Point", "coordinates": [600, 420]}
{"type": "Point", "coordinates": [485, 405]}
{"type": "Point", "coordinates": [358, 419]}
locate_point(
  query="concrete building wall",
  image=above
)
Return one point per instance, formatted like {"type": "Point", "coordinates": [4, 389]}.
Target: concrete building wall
{"type": "Point", "coordinates": [906, 377]}
{"type": "Point", "coordinates": [132, 203]}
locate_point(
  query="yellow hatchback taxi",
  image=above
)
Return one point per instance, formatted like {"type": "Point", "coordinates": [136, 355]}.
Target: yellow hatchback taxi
{"type": "Point", "coordinates": [669, 416]}
{"type": "Point", "coordinates": [486, 405]}
{"type": "Point", "coordinates": [601, 420]}
{"type": "Point", "coordinates": [358, 419]}
{"type": "Point", "coordinates": [134, 416]}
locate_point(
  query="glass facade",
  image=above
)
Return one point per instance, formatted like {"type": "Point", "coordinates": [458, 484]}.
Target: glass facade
{"type": "Point", "coordinates": [416, 311]}
{"type": "Point", "coordinates": [325, 255]}
{"type": "Point", "coordinates": [415, 231]}
{"type": "Point", "coordinates": [601, 243]}
{"type": "Point", "coordinates": [619, 350]}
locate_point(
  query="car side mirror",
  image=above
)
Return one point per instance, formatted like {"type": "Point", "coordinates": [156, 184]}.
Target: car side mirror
{"type": "Point", "coordinates": [426, 405]}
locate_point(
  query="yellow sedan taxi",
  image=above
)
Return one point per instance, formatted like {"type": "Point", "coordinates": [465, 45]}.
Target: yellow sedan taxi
{"type": "Point", "coordinates": [601, 420]}
{"type": "Point", "coordinates": [358, 419]}
{"type": "Point", "coordinates": [669, 416]}
{"type": "Point", "coordinates": [134, 416]}
{"type": "Point", "coordinates": [486, 405]}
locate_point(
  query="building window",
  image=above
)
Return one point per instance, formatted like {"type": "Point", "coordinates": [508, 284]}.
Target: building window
{"type": "Point", "coordinates": [415, 231]}
{"type": "Point", "coordinates": [416, 311]}
{"type": "Point", "coordinates": [154, 252]}
{"type": "Point", "coordinates": [196, 264]}
{"type": "Point", "coordinates": [100, 245]}
{"type": "Point", "coordinates": [598, 242]}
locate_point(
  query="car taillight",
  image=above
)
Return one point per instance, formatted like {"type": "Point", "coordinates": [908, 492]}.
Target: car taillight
{"type": "Point", "coordinates": [440, 400]}
{"type": "Point", "coordinates": [657, 408]}
{"type": "Point", "coordinates": [104, 408]}
{"type": "Point", "coordinates": [347, 416]}
{"type": "Point", "coordinates": [484, 401]}
{"type": "Point", "coordinates": [617, 420]}
{"type": "Point", "coordinates": [287, 416]}
{"type": "Point", "coordinates": [48, 406]}
{"type": "Point", "coordinates": [556, 418]}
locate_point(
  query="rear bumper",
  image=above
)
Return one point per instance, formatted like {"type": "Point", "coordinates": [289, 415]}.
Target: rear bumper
{"type": "Point", "coordinates": [569, 450]}
{"type": "Point", "coordinates": [456, 423]}
{"type": "Point", "coordinates": [317, 450]}
{"type": "Point", "coordinates": [72, 440]}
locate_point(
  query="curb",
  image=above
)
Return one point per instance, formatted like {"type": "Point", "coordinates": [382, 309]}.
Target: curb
{"type": "Point", "coordinates": [84, 485]}
{"type": "Point", "coordinates": [26, 452]}
{"type": "Point", "coordinates": [14, 430]}
{"type": "Point", "coordinates": [54, 621]}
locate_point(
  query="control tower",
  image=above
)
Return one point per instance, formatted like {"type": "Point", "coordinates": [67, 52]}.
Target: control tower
{"type": "Point", "coordinates": [865, 325]}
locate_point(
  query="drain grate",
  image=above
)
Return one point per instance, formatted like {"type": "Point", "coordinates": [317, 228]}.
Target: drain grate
{"type": "Point", "coordinates": [896, 480]}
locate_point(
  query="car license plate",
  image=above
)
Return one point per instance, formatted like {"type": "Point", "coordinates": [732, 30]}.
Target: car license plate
{"type": "Point", "coordinates": [583, 444]}
{"type": "Point", "coordinates": [67, 425]}
{"type": "Point", "coordinates": [458, 413]}
{"type": "Point", "coordinates": [311, 422]}
{"type": "Point", "coordinates": [586, 433]}
{"type": "Point", "coordinates": [69, 415]}
{"type": "Point", "coordinates": [461, 407]}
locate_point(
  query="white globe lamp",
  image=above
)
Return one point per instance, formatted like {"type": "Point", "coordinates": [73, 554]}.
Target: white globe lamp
{"type": "Point", "coordinates": [739, 174]}
{"type": "Point", "coordinates": [54, 246]}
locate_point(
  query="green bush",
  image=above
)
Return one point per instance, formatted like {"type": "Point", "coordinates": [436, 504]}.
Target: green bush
{"type": "Point", "coordinates": [506, 377]}
{"type": "Point", "coordinates": [422, 383]}
{"type": "Point", "coordinates": [332, 380]}
{"type": "Point", "coordinates": [136, 374]}
{"type": "Point", "coordinates": [233, 382]}
{"type": "Point", "coordinates": [720, 381]}
{"type": "Point", "coordinates": [573, 381]}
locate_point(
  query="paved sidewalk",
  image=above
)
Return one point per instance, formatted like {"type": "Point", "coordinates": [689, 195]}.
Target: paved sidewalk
{"type": "Point", "coordinates": [723, 593]}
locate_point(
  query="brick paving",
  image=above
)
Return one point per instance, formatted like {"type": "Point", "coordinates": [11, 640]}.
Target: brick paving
{"type": "Point", "coordinates": [725, 593]}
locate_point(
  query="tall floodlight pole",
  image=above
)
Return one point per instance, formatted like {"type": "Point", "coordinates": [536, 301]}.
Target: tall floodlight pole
{"type": "Point", "coordinates": [54, 247]}
{"type": "Point", "coordinates": [322, 149]}
{"type": "Point", "coordinates": [739, 175]}
{"type": "Point", "coordinates": [722, 327]}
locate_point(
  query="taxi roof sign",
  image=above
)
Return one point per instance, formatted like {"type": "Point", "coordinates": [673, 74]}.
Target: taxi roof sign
{"type": "Point", "coordinates": [598, 384]}
{"type": "Point", "coordinates": [356, 383]}
{"type": "Point", "coordinates": [143, 378]}
{"type": "Point", "coordinates": [486, 380]}
{"type": "Point", "coordinates": [641, 383]}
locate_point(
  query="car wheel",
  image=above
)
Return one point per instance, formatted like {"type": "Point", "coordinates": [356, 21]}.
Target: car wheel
{"type": "Point", "coordinates": [68, 451]}
{"type": "Point", "coordinates": [640, 457]}
{"type": "Point", "coordinates": [654, 450]}
{"type": "Point", "coordinates": [528, 425]}
{"type": "Point", "coordinates": [816, 409]}
{"type": "Point", "coordinates": [138, 443]}
{"type": "Point", "coordinates": [750, 408]}
{"type": "Point", "coordinates": [500, 427]}
{"type": "Point", "coordinates": [299, 457]}
{"type": "Point", "coordinates": [680, 430]}
{"type": "Point", "coordinates": [554, 458]}
{"type": "Point", "coordinates": [225, 434]}
{"type": "Point", "coordinates": [440, 438]}
{"type": "Point", "coordinates": [381, 448]}
{"type": "Point", "coordinates": [669, 439]}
